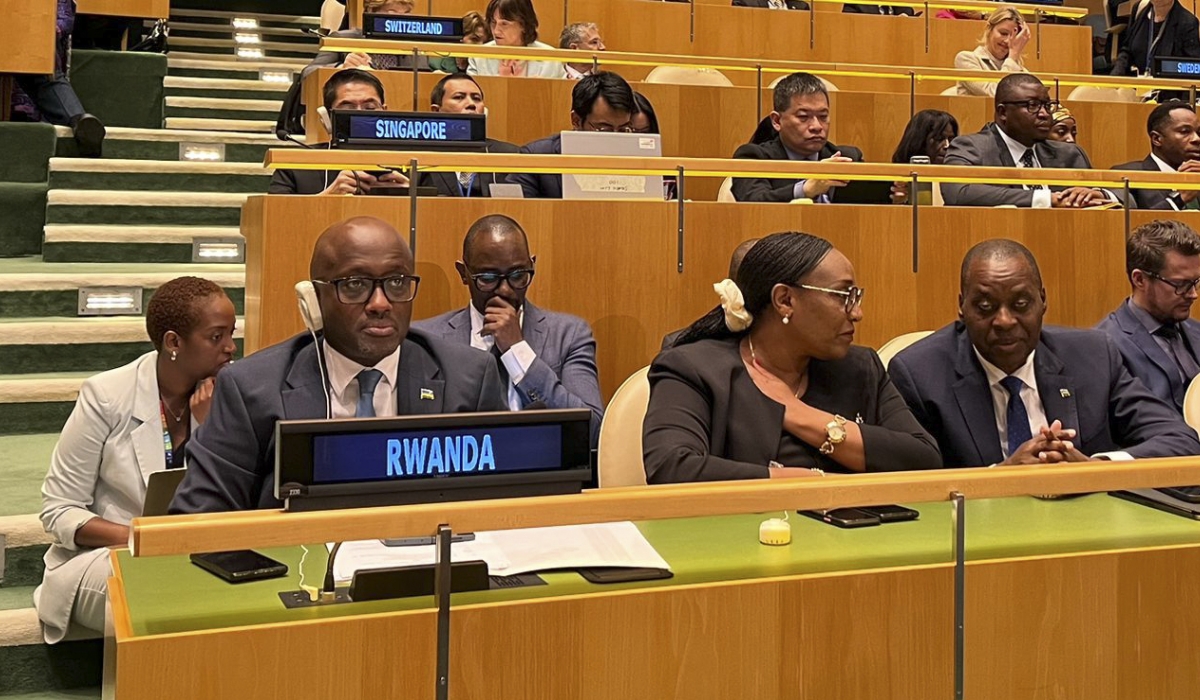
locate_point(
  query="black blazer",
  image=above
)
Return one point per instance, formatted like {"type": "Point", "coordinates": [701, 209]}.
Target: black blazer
{"type": "Point", "coordinates": [707, 421]}
{"type": "Point", "coordinates": [1147, 199]}
{"type": "Point", "coordinates": [1081, 381]}
{"type": "Point", "coordinates": [760, 189]}
{"type": "Point", "coordinates": [231, 458]}
{"type": "Point", "coordinates": [878, 9]}
{"type": "Point", "coordinates": [1179, 36]}
{"type": "Point", "coordinates": [447, 183]}
{"type": "Point", "coordinates": [545, 185]}
{"type": "Point", "coordinates": [1144, 358]}
{"type": "Point", "coordinates": [791, 4]}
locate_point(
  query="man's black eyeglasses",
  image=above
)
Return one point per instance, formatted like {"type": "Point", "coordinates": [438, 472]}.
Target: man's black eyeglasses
{"type": "Point", "coordinates": [1181, 287]}
{"type": "Point", "coordinates": [488, 281]}
{"type": "Point", "coordinates": [1034, 106]}
{"type": "Point", "coordinates": [358, 290]}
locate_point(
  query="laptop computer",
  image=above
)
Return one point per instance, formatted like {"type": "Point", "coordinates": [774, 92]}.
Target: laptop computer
{"type": "Point", "coordinates": [160, 489]}
{"type": "Point", "coordinates": [601, 186]}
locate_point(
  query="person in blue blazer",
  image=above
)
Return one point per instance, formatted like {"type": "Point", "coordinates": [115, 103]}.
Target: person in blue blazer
{"type": "Point", "coordinates": [996, 387]}
{"type": "Point", "coordinates": [546, 359]}
{"type": "Point", "coordinates": [1153, 328]}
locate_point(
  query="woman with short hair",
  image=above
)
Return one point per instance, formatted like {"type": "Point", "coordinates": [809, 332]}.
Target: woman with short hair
{"type": "Point", "coordinates": [1000, 49]}
{"type": "Point", "coordinates": [514, 23]}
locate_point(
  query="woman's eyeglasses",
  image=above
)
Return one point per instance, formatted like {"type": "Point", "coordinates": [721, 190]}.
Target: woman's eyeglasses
{"type": "Point", "coordinates": [853, 296]}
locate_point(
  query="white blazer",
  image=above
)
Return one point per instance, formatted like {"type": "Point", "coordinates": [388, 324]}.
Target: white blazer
{"type": "Point", "coordinates": [533, 69]}
{"type": "Point", "coordinates": [109, 446]}
{"type": "Point", "coordinates": [982, 59]}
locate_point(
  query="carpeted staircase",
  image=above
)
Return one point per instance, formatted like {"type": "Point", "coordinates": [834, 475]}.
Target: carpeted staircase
{"type": "Point", "coordinates": [127, 219]}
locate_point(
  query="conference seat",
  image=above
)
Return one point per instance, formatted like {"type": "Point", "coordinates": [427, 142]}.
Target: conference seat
{"type": "Point", "coordinates": [1191, 404]}
{"type": "Point", "coordinates": [1088, 93]}
{"type": "Point", "coordinates": [684, 75]}
{"type": "Point", "coordinates": [893, 347]}
{"type": "Point", "coordinates": [620, 446]}
{"type": "Point", "coordinates": [725, 191]}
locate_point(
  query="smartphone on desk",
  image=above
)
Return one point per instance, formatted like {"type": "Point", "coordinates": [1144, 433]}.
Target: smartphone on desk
{"type": "Point", "coordinates": [892, 513]}
{"type": "Point", "coordinates": [844, 517]}
{"type": "Point", "coordinates": [240, 566]}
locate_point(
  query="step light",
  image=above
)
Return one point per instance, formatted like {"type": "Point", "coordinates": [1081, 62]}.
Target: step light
{"type": "Point", "coordinates": [241, 38]}
{"type": "Point", "coordinates": [246, 52]}
{"type": "Point", "coordinates": [212, 249]}
{"type": "Point", "coordinates": [276, 76]}
{"type": "Point", "coordinates": [245, 23]}
{"type": "Point", "coordinates": [202, 152]}
{"type": "Point", "coordinates": [110, 301]}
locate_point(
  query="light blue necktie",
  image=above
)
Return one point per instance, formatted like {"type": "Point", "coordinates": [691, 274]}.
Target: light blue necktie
{"type": "Point", "coordinates": [368, 379]}
{"type": "Point", "coordinates": [1016, 416]}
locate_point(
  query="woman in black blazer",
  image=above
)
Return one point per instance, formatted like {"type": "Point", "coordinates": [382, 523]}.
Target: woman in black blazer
{"type": "Point", "coordinates": [1161, 28]}
{"type": "Point", "coordinates": [769, 385]}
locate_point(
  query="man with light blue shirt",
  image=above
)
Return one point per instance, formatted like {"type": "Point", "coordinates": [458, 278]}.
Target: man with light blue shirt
{"type": "Point", "coordinates": [801, 122]}
{"type": "Point", "coordinates": [546, 359]}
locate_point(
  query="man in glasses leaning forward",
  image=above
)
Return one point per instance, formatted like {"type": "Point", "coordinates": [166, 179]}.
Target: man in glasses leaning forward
{"type": "Point", "coordinates": [546, 359]}
{"type": "Point", "coordinates": [365, 362]}
{"type": "Point", "coordinates": [1018, 138]}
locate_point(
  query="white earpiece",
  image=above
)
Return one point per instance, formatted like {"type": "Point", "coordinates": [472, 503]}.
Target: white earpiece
{"type": "Point", "coordinates": [323, 115]}
{"type": "Point", "coordinates": [310, 307]}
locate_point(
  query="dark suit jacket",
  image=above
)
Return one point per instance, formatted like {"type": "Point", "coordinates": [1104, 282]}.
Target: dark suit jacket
{"type": "Point", "coordinates": [1147, 199]}
{"type": "Point", "coordinates": [332, 59]}
{"type": "Point", "coordinates": [231, 458]}
{"type": "Point", "coordinates": [545, 185]}
{"type": "Point", "coordinates": [987, 148]}
{"type": "Point", "coordinates": [707, 421]}
{"type": "Point", "coordinates": [760, 189]}
{"type": "Point", "coordinates": [447, 183]}
{"type": "Point", "coordinates": [286, 181]}
{"type": "Point", "coordinates": [1179, 36]}
{"type": "Point", "coordinates": [1081, 381]}
{"type": "Point", "coordinates": [791, 4]}
{"type": "Point", "coordinates": [564, 373]}
{"type": "Point", "coordinates": [1144, 358]}
{"type": "Point", "coordinates": [876, 9]}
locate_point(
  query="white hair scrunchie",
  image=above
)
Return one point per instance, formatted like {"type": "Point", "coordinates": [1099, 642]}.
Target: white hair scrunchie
{"type": "Point", "coordinates": [737, 319]}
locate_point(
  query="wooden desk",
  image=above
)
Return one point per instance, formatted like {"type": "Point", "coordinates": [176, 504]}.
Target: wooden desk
{"type": "Point", "coordinates": [150, 9]}
{"type": "Point", "coordinates": [28, 35]}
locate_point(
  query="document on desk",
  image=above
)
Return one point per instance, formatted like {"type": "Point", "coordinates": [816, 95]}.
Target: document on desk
{"type": "Point", "coordinates": [511, 552]}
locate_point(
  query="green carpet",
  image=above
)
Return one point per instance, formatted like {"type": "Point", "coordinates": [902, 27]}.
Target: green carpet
{"type": "Point", "coordinates": [27, 149]}
{"type": "Point", "coordinates": [281, 35]}
{"type": "Point", "coordinates": [247, 93]}
{"type": "Point", "coordinates": [211, 73]}
{"type": "Point", "coordinates": [121, 88]}
{"type": "Point", "coordinates": [270, 53]}
{"type": "Point", "coordinates": [143, 215]}
{"type": "Point", "coordinates": [74, 694]}
{"type": "Point", "coordinates": [25, 461]}
{"type": "Point", "coordinates": [163, 150]}
{"type": "Point", "coordinates": [205, 113]}
{"type": "Point", "coordinates": [65, 302]}
{"type": "Point", "coordinates": [70, 251]}
{"type": "Point", "coordinates": [270, 7]}
{"type": "Point", "coordinates": [23, 566]}
{"type": "Point", "coordinates": [24, 216]}
{"type": "Point", "coordinates": [75, 357]}
{"type": "Point", "coordinates": [147, 182]}
{"type": "Point", "coordinates": [37, 668]}
{"type": "Point", "coordinates": [16, 597]}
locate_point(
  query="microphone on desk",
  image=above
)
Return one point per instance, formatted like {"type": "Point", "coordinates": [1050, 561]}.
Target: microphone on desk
{"type": "Point", "coordinates": [329, 591]}
{"type": "Point", "coordinates": [285, 135]}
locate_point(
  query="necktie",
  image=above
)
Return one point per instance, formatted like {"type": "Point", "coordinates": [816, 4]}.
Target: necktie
{"type": "Point", "coordinates": [1027, 159]}
{"type": "Point", "coordinates": [368, 379]}
{"type": "Point", "coordinates": [886, 9]}
{"type": "Point", "coordinates": [464, 183]}
{"type": "Point", "coordinates": [1017, 417]}
{"type": "Point", "coordinates": [500, 365]}
{"type": "Point", "coordinates": [776, 5]}
{"type": "Point", "coordinates": [1183, 359]}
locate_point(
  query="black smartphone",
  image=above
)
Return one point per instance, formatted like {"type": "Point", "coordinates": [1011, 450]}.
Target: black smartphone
{"type": "Point", "coordinates": [844, 517]}
{"type": "Point", "coordinates": [1156, 504]}
{"type": "Point", "coordinates": [621, 574]}
{"type": "Point", "coordinates": [1187, 494]}
{"type": "Point", "coordinates": [892, 513]}
{"type": "Point", "coordinates": [240, 565]}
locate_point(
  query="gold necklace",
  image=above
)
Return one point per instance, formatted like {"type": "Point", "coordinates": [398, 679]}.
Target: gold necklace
{"type": "Point", "coordinates": [754, 359]}
{"type": "Point", "coordinates": [178, 418]}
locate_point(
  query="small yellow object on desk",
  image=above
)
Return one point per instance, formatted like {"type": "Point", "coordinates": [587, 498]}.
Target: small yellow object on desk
{"type": "Point", "coordinates": [775, 532]}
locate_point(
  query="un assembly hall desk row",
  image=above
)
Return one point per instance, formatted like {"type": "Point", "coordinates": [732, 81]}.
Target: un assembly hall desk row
{"type": "Point", "coordinates": [632, 272]}
{"type": "Point", "coordinates": [1092, 598]}
{"type": "Point", "coordinates": [723, 30]}
{"type": "Point", "coordinates": [701, 121]}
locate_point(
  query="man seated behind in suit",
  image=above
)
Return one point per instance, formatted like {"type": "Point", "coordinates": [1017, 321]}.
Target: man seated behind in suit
{"type": "Point", "coordinates": [996, 387]}
{"type": "Point", "coordinates": [602, 101]}
{"type": "Point", "coordinates": [581, 36]}
{"type": "Point", "coordinates": [879, 10]}
{"type": "Point", "coordinates": [1019, 138]}
{"type": "Point", "coordinates": [801, 122]}
{"type": "Point", "coordinates": [366, 362]}
{"type": "Point", "coordinates": [345, 90]}
{"type": "Point", "coordinates": [547, 359]}
{"type": "Point", "coordinates": [1174, 147]}
{"type": "Point", "coordinates": [1153, 328]}
{"type": "Point", "coordinates": [773, 4]}
{"type": "Point", "coordinates": [458, 93]}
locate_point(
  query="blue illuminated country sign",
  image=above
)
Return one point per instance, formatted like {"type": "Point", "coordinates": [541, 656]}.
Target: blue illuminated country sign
{"type": "Point", "coordinates": [414, 27]}
{"type": "Point", "coordinates": [430, 456]}
{"type": "Point", "coordinates": [367, 126]}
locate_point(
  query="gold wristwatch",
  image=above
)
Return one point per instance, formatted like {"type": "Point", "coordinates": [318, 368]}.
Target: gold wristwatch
{"type": "Point", "coordinates": [835, 434]}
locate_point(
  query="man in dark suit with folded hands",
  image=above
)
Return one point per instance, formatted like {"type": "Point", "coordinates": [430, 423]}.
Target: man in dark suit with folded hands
{"type": "Point", "coordinates": [1019, 138]}
{"type": "Point", "coordinates": [801, 121]}
{"type": "Point", "coordinates": [1174, 147]}
{"type": "Point", "coordinates": [366, 363]}
{"type": "Point", "coordinates": [996, 387]}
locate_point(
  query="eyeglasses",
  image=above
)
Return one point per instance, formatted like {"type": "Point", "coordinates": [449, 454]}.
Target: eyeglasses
{"type": "Point", "coordinates": [626, 128]}
{"type": "Point", "coordinates": [853, 295]}
{"type": "Point", "coordinates": [358, 290]}
{"type": "Point", "coordinates": [1035, 106]}
{"type": "Point", "coordinates": [489, 281]}
{"type": "Point", "coordinates": [1181, 287]}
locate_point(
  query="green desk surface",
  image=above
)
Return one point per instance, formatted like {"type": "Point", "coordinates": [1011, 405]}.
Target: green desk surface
{"type": "Point", "coordinates": [170, 595]}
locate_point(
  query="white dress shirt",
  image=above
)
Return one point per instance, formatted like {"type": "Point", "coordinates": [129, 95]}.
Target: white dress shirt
{"type": "Point", "coordinates": [516, 361]}
{"type": "Point", "coordinates": [1163, 166]}
{"type": "Point", "coordinates": [1041, 196]}
{"type": "Point", "coordinates": [343, 383]}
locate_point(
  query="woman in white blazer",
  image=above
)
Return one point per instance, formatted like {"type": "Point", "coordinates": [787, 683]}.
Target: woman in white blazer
{"type": "Point", "coordinates": [1000, 49]}
{"type": "Point", "coordinates": [514, 23]}
{"type": "Point", "coordinates": [127, 423]}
